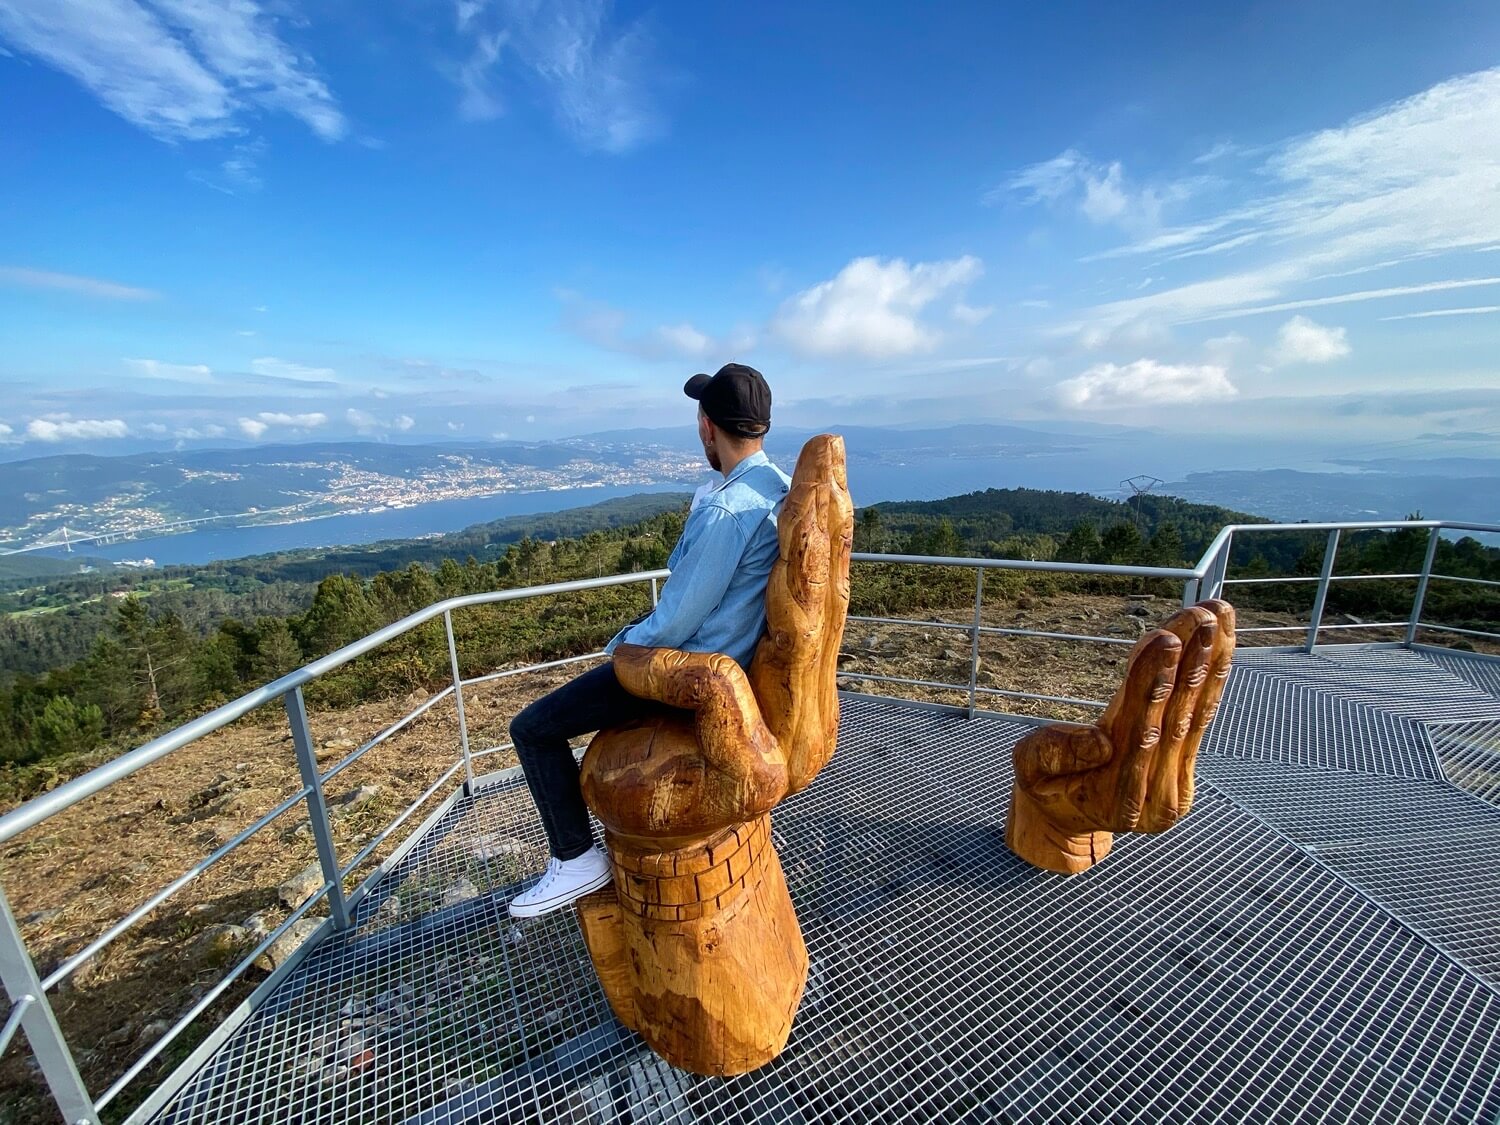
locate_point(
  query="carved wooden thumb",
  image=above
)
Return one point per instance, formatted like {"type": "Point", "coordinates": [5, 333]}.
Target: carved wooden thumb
{"type": "Point", "coordinates": [696, 944]}
{"type": "Point", "coordinates": [1133, 771]}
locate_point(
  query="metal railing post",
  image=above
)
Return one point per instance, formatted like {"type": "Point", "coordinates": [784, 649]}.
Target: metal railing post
{"type": "Point", "coordinates": [43, 1035]}
{"type": "Point", "coordinates": [317, 807]}
{"type": "Point", "coordinates": [974, 648]}
{"type": "Point", "coordinates": [1330, 552]}
{"type": "Point", "coordinates": [1189, 593]}
{"type": "Point", "coordinates": [654, 594]}
{"type": "Point", "coordinates": [1421, 597]}
{"type": "Point", "coordinates": [458, 697]}
{"type": "Point", "coordinates": [1221, 568]}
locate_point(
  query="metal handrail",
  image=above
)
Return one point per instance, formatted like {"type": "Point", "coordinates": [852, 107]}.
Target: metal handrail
{"type": "Point", "coordinates": [1110, 569]}
{"type": "Point", "coordinates": [39, 808]}
{"type": "Point", "coordinates": [1215, 561]}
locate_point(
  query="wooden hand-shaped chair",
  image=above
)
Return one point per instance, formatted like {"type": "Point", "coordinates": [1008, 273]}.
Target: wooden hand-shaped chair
{"type": "Point", "coordinates": [696, 944]}
{"type": "Point", "coordinates": [1133, 771]}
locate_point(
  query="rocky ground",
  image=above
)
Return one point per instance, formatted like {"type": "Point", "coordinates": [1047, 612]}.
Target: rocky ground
{"type": "Point", "coordinates": [78, 873]}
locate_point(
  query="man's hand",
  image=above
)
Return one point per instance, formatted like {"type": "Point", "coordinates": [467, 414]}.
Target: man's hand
{"type": "Point", "coordinates": [1133, 771]}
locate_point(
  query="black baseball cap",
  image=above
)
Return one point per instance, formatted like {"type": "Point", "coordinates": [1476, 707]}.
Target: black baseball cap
{"type": "Point", "coordinates": [735, 398]}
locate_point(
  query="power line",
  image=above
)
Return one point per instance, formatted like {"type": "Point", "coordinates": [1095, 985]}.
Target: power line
{"type": "Point", "coordinates": [1140, 485]}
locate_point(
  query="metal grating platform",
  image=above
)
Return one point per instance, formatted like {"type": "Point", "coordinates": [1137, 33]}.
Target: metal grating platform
{"type": "Point", "coordinates": [1270, 718]}
{"type": "Point", "coordinates": [1483, 674]}
{"type": "Point", "coordinates": [1218, 972]}
{"type": "Point", "coordinates": [1385, 795]}
{"type": "Point", "coordinates": [1384, 678]}
{"type": "Point", "coordinates": [1470, 756]}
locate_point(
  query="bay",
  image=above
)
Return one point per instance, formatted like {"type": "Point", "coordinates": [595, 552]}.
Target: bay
{"type": "Point", "coordinates": [212, 544]}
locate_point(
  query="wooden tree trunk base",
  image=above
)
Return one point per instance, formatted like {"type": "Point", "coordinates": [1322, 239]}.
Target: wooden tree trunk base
{"type": "Point", "coordinates": [1032, 836]}
{"type": "Point", "coordinates": [699, 950]}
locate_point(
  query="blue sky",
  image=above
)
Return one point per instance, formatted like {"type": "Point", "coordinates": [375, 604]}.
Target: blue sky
{"type": "Point", "coordinates": [268, 220]}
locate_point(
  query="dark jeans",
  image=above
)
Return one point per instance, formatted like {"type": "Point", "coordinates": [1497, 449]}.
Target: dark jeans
{"type": "Point", "coordinates": [540, 733]}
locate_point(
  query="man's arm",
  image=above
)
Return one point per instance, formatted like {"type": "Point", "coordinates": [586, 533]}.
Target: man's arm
{"type": "Point", "coordinates": [714, 544]}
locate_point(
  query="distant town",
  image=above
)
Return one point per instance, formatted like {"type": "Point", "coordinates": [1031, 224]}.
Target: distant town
{"type": "Point", "coordinates": [164, 497]}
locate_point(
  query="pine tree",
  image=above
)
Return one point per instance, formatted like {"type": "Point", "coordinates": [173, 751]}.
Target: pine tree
{"type": "Point", "coordinates": [1081, 543]}
{"type": "Point", "coordinates": [276, 650]}
{"type": "Point", "coordinates": [1119, 545]}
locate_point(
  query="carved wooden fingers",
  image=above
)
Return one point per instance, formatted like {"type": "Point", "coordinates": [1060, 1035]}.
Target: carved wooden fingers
{"type": "Point", "coordinates": [678, 776]}
{"type": "Point", "coordinates": [794, 672]}
{"type": "Point", "coordinates": [1133, 771]}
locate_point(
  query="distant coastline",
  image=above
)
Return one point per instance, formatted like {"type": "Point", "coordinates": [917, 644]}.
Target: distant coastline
{"type": "Point", "coordinates": [343, 529]}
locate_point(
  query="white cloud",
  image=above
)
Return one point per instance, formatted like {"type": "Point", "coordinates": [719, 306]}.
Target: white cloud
{"type": "Point", "coordinates": [968, 314]}
{"type": "Point", "coordinates": [5, 431]}
{"type": "Point", "coordinates": [239, 172]}
{"type": "Point", "coordinates": [1145, 383]}
{"type": "Point", "coordinates": [1099, 191]}
{"type": "Point", "coordinates": [606, 327]}
{"type": "Point", "coordinates": [1223, 350]}
{"type": "Point", "coordinates": [1414, 179]}
{"type": "Point", "coordinates": [425, 370]}
{"type": "Point", "coordinates": [366, 423]}
{"type": "Point", "coordinates": [684, 339]}
{"type": "Point", "coordinates": [180, 69]}
{"type": "Point", "coordinates": [172, 372]}
{"type": "Point", "coordinates": [1301, 340]}
{"type": "Point", "coordinates": [252, 429]}
{"type": "Point", "coordinates": [155, 429]}
{"type": "Point", "coordinates": [1348, 298]}
{"type": "Point", "coordinates": [363, 421]}
{"type": "Point", "coordinates": [466, 10]}
{"type": "Point", "coordinates": [1138, 334]}
{"type": "Point", "coordinates": [478, 100]}
{"type": "Point", "coordinates": [597, 77]}
{"type": "Point", "coordinates": [71, 283]}
{"type": "Point", "coordinates": [1472, 310]}
{"type": "Point", "coordinates": [872, 308]}
{"type": "Point", "coordinates": [62, 427]}
{"type": "Point", "coordinates": [210, 430]}
{"type": "Point", "coordinates": [1217, 152]}
{"type": "Point", "coordinates": [297, 421]}
{"type": "Point", "coordinates": [284, 369]}
{"type": "Point", "coordinates": [455, 427]}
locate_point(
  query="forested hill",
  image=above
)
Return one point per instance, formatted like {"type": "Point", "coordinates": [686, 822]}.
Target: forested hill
{"type": "Point", "coordinates": [1032, 523]}
{"type": "Point", "coordinates": [46, 623]}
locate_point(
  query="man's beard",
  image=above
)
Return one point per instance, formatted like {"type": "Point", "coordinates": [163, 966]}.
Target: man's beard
{"type": "Point", "coordinates": [714, 462]}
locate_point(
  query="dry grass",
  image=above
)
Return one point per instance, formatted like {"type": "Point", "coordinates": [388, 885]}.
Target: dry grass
{"type": "Point", "coordinates": [72, 877]}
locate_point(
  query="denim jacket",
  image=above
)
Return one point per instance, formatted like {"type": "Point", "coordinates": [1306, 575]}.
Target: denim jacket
{"type": "Point", "coordinates": [715, 600]}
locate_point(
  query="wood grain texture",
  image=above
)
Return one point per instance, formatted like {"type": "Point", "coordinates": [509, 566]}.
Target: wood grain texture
{"type": "Point", "coordinates": [697, 944]}
{"type": "Point", "coordinates": [1132, 771]}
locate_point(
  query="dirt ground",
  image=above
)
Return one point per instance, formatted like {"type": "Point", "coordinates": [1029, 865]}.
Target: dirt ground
{"type": "Point", "coordinates": [81, 871]}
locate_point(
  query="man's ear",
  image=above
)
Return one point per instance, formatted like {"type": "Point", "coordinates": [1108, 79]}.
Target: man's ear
{"type": "Point", "coordinates": [705, 428]}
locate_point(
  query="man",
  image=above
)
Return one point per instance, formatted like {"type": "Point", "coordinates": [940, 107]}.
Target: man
{"type": "Point", "coordinates": [714, 602]}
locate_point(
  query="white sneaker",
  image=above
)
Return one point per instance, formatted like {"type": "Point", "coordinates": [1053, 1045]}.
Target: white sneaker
{"type": "Point", "coordinates": [563, 882]}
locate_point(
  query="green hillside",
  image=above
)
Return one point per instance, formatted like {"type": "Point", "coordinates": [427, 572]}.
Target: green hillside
{"type": "Point", "coordinates": [101, 662]}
